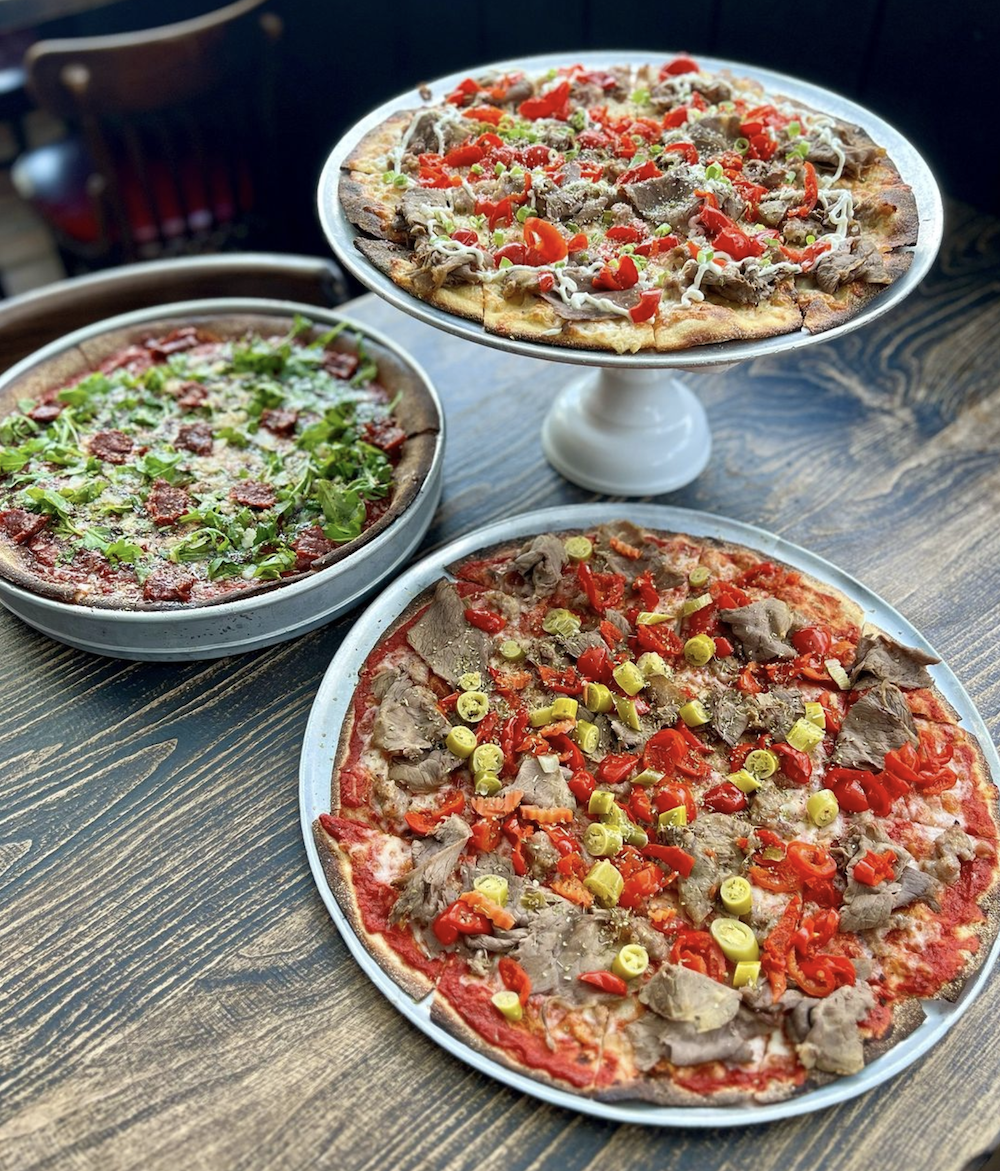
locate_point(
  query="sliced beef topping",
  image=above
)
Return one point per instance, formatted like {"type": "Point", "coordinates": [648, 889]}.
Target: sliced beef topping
{"type": "Point", "coordinates": [445, 641]}
{"type": "Point", "coordinates": [560, 944]}
{"type": "Point", "coordinates": [542, 855]}
{"type": "Point", "coordinates": [833, 1042]}
{"type": "Point", "coordinates": [667, 199]}
{"type": "Point", "coordinates": [168, 583]}
{"type": "Point", "coordinates": [253, 493]}
{"type": "Point", "coordinates": [425, 774]}
{"type": "Point", "coordinates": [651, 558]}
{"type": "Point", "coordinates": [743, 283]}
{"type": "Point", "coordinates": [914, 886]}
{"type": "Point", "coordinates": [778, 709]}
{"type": "Point", "coordinates": [46, 412]}
{"type": "Point", "coordinates": [716, 854]}
{"type": "Point", "coordinates": [21, 525]}
{"type": "Point", "coordinates": [951, 849]}
{"type": "Point", "coordinates": [881, 659]}
{"type": "Point", "coordinates": [166, 504]}
{"type": "Point", "coordinates": [876, 723]}
{"type": "Point", "coordinates": [196, 437]}
{"type": "Point", "coordinates": [762, 629]}
{"type": "Point", "coordinates": [861, 261]}
{"type": "Point", "coordinates": [310, 545]}
{"type": "Point", "coordinates": [859, 153]}
{"type": "Point", "coordinates": [866, 908]}
{"type": "Point", "coordinates": [114, 447]}
{"type": "Point", "coordinates": [431, 885]}
{"type": "Point", "coordinates": [414, 204]}
{"type": "Point", "coordinates": [583, 640]}
{"type": "Point", "coordinates": [408, 721]}
{"type": "Point", "coordinates": [731, 717]}
{"type": "Point", "coordinates": [679, 1042]}
{"type": "Point", "coordinates": [543, 782]}
{"type": "Point", "coordinates": [279, 421]}
{"type": "Point", "coordinates": [423, 138]}
{"type": "Point", "coordinates": [680, 994]}
{"type": "Point", "coordinates": [540, 562]}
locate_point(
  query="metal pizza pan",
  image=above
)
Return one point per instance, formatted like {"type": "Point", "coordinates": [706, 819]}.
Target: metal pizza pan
{"type": "Point", "coordinates": [332, 704]}
{"type": "Point", "coordinates": [260, 620]}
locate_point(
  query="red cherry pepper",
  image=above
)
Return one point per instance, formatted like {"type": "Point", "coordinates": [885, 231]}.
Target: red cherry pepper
{"type": "Point", "coordinates": [812, 640]}
{"type": "Point", "coordinates": [649, 302]}
{"type": "Point", "coordinates": [681, 64]}
{"type": "Point", "coordinates": [485, 620]}
{"type": "Point", "coordinates": [676, 858]}
{"type": "Point", "coordinates": [582, 785]}
{"type": "Point", "coordinates": [725, 798]}
{"type": "Point", "coordinates": [515, 978]}
{"type": "Point", "coordinates": [875, 868]}
{"type": "Point", "coordinates": [459, 919]}
{"type": "Point", "coordinates": [615, 767]}
{"type": "Point", "coordinates": [795, 765]}
{"type": "Point", "coordinates": [605, 982]}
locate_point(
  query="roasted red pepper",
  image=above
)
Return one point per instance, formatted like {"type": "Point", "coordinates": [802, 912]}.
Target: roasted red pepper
{"type": "Point", "coordinates": [604, 590]}
{"type": "Point", "coordinates": [875, 868]}
{"type": "Point", "coordinates": [812, 194]}
{"type": "Point", "coordinates": [426, 821]}
{"type": "Point", "coordinates": [615, 767]}
{"type": "Point", "coordinates": [674, 795]}
{"type": "Point", "coordinates": [727, 237]}
{"type": "Point", "coordinates": [647, 170]}
{"type": "Point", "coordinates": [485, 620]}
{"type": "Point", "coordinates": [674, 857]}
{"type": "Point", "coordinates": [615, 278]}
{"type": "Point", "coordinates": [810, 861]}
{"type": "Point", "coordinates": [554, 104]}
{"type": "Point", "coordinates": [698, 951]}
{"type": "Point", "coordinates": [795, 764]}
{"type": "Point", "coordinates": [641, 885]}
{"type": "Point", "coordinates": [545, 239]}
{"type": "Point", "coordinates": [663, 750]}
{"type": "Point", "coordinates": [515, 978]}
{"type": "Point", "coordinates": [725, 798]}
{"type": "Point", "coordinates": [605, 982]}
{"type": "Point", "coordinates": [681, 64]}
{"type": "Point", "coordinates": [812, 640]}
{"type": "Point", "coordinates": [582, 785]}
{"type": "Point", "coordinates": [649, 302]}
{"type": "Point", "coordinates": [460, 919]}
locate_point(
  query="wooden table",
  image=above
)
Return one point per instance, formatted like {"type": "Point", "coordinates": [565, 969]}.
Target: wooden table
{"type": "Point", "coordinates": [173, 993]}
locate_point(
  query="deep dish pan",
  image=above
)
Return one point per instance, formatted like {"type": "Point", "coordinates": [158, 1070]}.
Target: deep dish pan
{"type": "Point", "coordinates": [266, 612]}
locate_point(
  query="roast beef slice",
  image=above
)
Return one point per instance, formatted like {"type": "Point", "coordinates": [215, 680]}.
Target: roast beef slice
{"type": "Point", "coordinates": [762, 629]}
{"type": "Point", "coordinates": [875, 724]}
{"type": "Point", "coordinates": [651, 558]}
{"type": "Point", "coordinates": [425, 774]}
{"type": "Point", "coordinates": [881, 659]}
{"type": "Point", "coordinates": [543, 783]}
{"type": "Point", "coordinates": [541, 562]}
{"type": "Point", "coordinates": [833, 1042]}
{"type": "Point", "coordinates": [682, 995]}
{"type": "Point", "coordinates": [679, 1042]}
{"type": "Point", "coordinates": [431, 885]}
{"type": "Point", "coordinates": [778, 709]}
{"type": "Point", "coordinates": [560, 943]}
{"type": "Point", "coordinates": [445, 641]}
{"type": "Point", "coordinates": [408, 723]}
{"type": "Point", "coordinates": [714, 845]}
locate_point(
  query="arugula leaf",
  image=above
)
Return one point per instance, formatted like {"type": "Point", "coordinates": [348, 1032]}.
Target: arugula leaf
{"type": "Point", "coordinates": [276, 563]}
{"type": "Point", "coordinates": [367, 371]}
{"type": "Point", "coordinates": [233, 437]}
{"type": "Point", "coordinates": [344, 511]}
{"type": "Point", "coordinates": [48, 500]}
{"type": "Point", "coordinates": [219, 567]}
{"type": "Point", "coordinates": [88, 389]}
{"type": "Point", "coordinates": [201, 545]}
{"type": "Point", "coordinates": [17, 428]}
{"type": "Point", "coordinates": [261, 357]}
{"type": "Point", "coordinates": [160, 465]}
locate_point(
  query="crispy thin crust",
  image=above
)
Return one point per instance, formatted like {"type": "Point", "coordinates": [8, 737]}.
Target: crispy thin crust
{"type": "Point", "coordinates": [534, 319]}
{"type": "Point", "coordinates": [396, 261]}
{"type": "Point", "coordinates": [338, 870]}
{"type": "Point", "coordinates": [370, 206]}
{"type": "Point", "coordinates": [368, 155]}
{"type": "Point", "coordinates": [822, 311]}
{"type": "Point", "coordinates": [713, 320]}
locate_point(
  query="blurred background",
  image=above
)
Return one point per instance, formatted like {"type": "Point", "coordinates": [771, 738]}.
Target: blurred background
{"type": "Point", "coordinates": [212, 139]}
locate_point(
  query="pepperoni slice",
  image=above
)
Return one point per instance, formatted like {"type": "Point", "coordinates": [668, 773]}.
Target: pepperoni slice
{"type": "Point", "coordinates": [21, 525]}
{"type": "Point", "coordinates": [191, 396]}
{"type": "Point", "coordinates": [310, 544]}
{"type": "Point", "coordinates": [279, 421]}
{"type": "Point", "coordinates": [166, 504]}
{"type": "Point", "coordinates": [114, 447]}
{"type": "Point", "coordinates": [340, 365]}
{"type": "Point", "coordinates": [169, 583]}
{"type": "Point", "coordinates": [196, 437]}
{"type": "Point", "coordinates": [46, 412]}
{"type": "Point", "coordinates": [253, 494]}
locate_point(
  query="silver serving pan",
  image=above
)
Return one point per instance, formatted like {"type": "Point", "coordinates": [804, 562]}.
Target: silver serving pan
{"type": "Point", "coordinates": [247, 623]}
{"type": "Point", "coordinates": [340, 232]}
{"type": "Point", "coordinates": [333, 702]}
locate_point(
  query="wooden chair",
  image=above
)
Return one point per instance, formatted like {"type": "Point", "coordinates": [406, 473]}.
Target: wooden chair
{"type": "Point", "coordinates": [29, 321]}
{"type": "Point", "coordinates": [174, 150]}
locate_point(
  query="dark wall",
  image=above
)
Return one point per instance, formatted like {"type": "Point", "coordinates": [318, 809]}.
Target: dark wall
{"type": "Point", "coordinates": [919, 64]}
{"type": "Point", "coordinates": [919, 69]}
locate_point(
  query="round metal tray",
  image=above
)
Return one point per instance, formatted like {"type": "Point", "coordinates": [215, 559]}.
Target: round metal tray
{"type": "Point", "coordinates": [332, 704]}
{"type": "Point", "coordinates": [244, 624]}
{"type": "Point", "coordinates": [617, 430]}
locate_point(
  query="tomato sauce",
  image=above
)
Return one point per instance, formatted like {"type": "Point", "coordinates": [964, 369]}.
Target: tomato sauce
{"type": "Point", "coordinates": [713, 1077]}
{"type": "Point", "coordinates": [472, 1001]}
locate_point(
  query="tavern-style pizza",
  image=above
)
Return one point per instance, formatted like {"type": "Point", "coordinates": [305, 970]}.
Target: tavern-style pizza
{"type": "Point", "coordinates": [187, 466]}
{"type": "Point", "coordinates": [657, 818]}
{"type": "Point", "coordinates": [631, 208]}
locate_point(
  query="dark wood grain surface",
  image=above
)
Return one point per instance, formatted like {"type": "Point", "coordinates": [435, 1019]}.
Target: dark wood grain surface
{"type": "Point", "coordinates": [173, 994]}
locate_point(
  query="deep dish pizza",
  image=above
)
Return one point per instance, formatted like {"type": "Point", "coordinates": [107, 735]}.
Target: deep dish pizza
{"type": "Point", "coordinates": [630, 208]}
{"type": "Point", "coordinates": [186, 464]}
{"type": "Point", "coordinates": [657, 818]}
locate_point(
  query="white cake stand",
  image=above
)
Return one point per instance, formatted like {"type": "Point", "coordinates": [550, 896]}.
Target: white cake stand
{"type": "Point", "coordinates": [628, 426]}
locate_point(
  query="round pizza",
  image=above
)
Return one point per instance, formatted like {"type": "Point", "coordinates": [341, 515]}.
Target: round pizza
{"type": "Point", "coordinates": [654, 817]}
{"type": "Point", "coordinates": [633, 208]}
{"type": "Point", "coordinates": [177, 464]}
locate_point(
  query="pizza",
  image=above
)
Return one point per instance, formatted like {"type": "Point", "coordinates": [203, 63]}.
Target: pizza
{"type": "Point", "coordinates": [187, 464]}
{"type": "Point", "coordinates": [653, 817]}
{"type": "Point", "coordinates": [633, 208]}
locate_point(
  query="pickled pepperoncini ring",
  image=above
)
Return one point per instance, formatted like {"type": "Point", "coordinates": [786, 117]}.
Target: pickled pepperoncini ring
{"type": "Point", "coordinates": [473, 705]}
{"type": "Point", "coordinates": [735, 938]}
{"type": "Point", "coordinates": [631, 961]}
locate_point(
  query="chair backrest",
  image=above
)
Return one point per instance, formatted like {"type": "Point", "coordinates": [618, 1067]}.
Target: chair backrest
{"type": "Point", "coordinates": [178, 121]}
{"type": "Point", "coordinates": [33, 319]}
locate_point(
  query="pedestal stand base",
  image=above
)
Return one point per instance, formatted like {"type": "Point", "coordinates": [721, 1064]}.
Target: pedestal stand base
{"type": "Point", "coordinates": [627, 433]}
